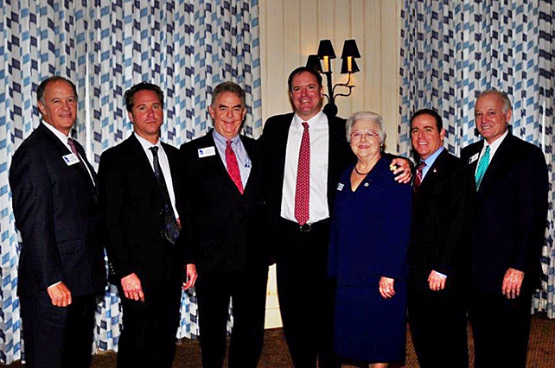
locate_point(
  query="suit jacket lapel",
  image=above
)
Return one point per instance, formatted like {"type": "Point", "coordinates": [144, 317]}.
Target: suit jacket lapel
{"type": "Point", "coordinates": [281, 148]}
{"type": "Point", "coordinates": [434, 172]}
{"type": "Point", "coordinates": [498, 166]}
{"type": "Point", "coordinates": [64, 150]}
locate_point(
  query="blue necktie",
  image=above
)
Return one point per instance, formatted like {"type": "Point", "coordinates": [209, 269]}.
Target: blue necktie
{"type": "Point", "coordinates": [482, 167]}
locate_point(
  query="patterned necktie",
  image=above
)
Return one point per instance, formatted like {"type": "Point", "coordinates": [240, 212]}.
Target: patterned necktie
{"type": "Point", "coordinates": [418, 178]}
{"type": "Point", "coordinates": [233, 166]}
{"type": "Point", "coordinates": [302, 193]}
{"type": "Point", "coordinates": [482, 167]}
{"type": "Point", "coordinates": [171, 229]}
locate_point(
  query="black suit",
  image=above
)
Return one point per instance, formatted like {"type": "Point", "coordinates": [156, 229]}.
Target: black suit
{"type": "Point", "coordinates": [55, 208]}
{"type": "Point", "coordinates": [508, 232]}
{"type": "Point", "coordinates": [442, 206]}
{"type": "Point", "coordinates": [133, 206]}
{"type": "Point", "coordinates": [226, 234]}
{"type": "Point", "coordinates": [304, 292]}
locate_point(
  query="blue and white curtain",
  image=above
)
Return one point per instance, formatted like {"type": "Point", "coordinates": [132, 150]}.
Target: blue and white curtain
{"type": "Point", "coordinates": [452, 50]}
{"type": "Point", "coordinates": [185, 46]}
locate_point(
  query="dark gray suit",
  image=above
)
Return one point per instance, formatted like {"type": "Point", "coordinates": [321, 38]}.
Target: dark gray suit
{"type": "Point", "coordinates": [131, 201]}
{"type": "Point", "coordinates": [55, 208]}
{"type": "Point", "coordinates": [442, 208]}
{"type": "Point", "coordinates": [508, 232]}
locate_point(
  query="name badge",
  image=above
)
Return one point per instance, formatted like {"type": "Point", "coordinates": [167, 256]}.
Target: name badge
{"type": "Point", "coordinates": [474, 158]}
{"type": "Point", "coordinates": [206, 152]}
{"type": "Point", "coordinates": [70, 159]}
{"type": "Point", "coordinates": [340, 186]}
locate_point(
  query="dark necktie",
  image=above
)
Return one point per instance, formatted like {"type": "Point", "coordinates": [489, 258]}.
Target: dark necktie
{"type": "Point", "coordinates": [171, 229]}
{"type": "Point", "coordinates": [302, 193]}
{"type": "Point", "coordinates": [233, 166]}
{"type": "Point", "coordinates": [418, 178]}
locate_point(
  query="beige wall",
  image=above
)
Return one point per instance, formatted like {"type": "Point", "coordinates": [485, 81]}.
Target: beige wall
{"type": "Point", "coordinates": [290, 30]}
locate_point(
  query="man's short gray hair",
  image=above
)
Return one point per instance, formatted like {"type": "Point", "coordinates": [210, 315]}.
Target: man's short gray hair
{"type": "Point", "coordinates": [502, 95]}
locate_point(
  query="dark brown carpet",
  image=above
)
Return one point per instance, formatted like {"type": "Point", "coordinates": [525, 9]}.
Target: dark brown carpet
{"type": "Point", "coordinates": [541, 353]}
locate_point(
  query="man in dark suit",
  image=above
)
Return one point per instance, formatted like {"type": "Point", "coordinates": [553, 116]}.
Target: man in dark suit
{"type": "Point", "coordinates": [508, 234]}
{"type": "Point", "coordinates": [226, 232]}
{"type": "Point", "coordinates": [301, 245]}
{"type": "Point", "coordinates": [438, 250]}
{"type": "Point", "coordinates": [61, 265]}
{"type": "Point", "coordinates": [138, 191]}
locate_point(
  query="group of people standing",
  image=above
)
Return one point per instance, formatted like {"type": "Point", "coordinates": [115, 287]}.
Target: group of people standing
{"type": "Point", "coordinates": [355, 244]}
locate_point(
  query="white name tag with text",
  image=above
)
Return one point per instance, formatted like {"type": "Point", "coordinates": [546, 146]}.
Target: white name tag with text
{"type": "Point", "coordinates": [340, 186]}
{"type": "Point", "coordinates": [70, 159]}
{"type": "Point", "coordinates": [206, 152]}
{"type": "Point", "coordinates": [474, 158]}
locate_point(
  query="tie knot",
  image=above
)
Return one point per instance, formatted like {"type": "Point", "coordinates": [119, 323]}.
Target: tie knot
{"type": "Point", "coordinates": [305, 125]}
{"type": "Point", "coordinates": [228, 143]}
{"type": "Point", "coordinates": [421, 166]}
{"type": "Point", "coordinates": [154, 150]}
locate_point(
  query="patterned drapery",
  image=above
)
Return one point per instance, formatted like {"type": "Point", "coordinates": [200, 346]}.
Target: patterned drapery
{"type": "Point", "coordinates": [185, 46]}
{"type": "Point", "coordinates": [452, 50]}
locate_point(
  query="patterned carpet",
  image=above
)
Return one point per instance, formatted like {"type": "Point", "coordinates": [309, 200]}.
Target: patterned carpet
{"type": "Point", "coordinates": [541, 353]}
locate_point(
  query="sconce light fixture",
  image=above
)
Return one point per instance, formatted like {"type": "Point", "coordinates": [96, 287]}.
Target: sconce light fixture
{"type": "Point", "coordinates": [348, 66]}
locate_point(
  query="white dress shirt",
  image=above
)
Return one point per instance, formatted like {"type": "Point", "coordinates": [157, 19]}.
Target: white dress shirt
{"type": "Point", "coordinates": [319, 161]}
{"type": "Point", "coordinates": [164, 165]}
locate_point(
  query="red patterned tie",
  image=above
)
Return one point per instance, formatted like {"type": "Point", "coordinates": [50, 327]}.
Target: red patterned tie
{"type": "Point", "coordinates": [302, 194]}
{"type": "Point", "coordinates": [233, 167]}
{"type": "Point", "coordinates": [418, 177]}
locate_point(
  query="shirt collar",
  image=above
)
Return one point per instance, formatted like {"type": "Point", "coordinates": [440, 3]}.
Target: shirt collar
{"type": "Point", "coordinates": [316, 119]}
{"type": "Point", "coordinates": [496, 143]}
{"type": "Point", "coordinates": [146, 144]}
{"type": "Point", "coordinates": [432, 158]}
{"type": "Point", "coordinates": [61, 136]}
{"type": "Point", "coordinates": [220, 139]}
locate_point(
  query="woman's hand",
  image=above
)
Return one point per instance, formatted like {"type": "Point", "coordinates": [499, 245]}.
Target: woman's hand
{"type": "Point", "coordinates": [386, 287]}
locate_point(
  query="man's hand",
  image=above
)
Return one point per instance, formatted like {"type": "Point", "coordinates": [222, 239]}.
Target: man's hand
{"type": "Point", "coordinates": [59, 295]}
{"type": "Point", "coordinates": [512, 282]}
{"type": "Point", "coordinates": [191, 276]}
{"type": "Point", "coordinates": [436, 281]}
{"type": "Point", "coordinates": [401, 169]}
{"type": "Point", "coordinates": [132, 287]}
{"type": "Point", "coordinates": [387, 289]}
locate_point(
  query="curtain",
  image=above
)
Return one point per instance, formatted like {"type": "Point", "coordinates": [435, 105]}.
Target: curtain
{"type": "Point", "coordinates": [185, 46]}
{"type": "Point", "coordinates": [452, 50]}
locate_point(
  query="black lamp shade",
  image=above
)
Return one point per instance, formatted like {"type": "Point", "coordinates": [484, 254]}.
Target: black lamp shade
{"type": "Point", "coordinates": [313, 63]}
{"type": "Point", "coordinates": [349, 49]}
{"type": "Point", "coordinates": [326, 49]}
{"type": "Point", "coordinates": [345, 66]}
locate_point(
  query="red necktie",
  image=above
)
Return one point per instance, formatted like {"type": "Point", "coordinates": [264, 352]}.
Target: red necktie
{"type": "Point", "coordinates": [74, 150]}
{"type": "Point", "coordinates": [302, 194]}
{"type": "Point", "coordinates": [418, 178]}
{"type": "Point", "coordinates": [233, 167]}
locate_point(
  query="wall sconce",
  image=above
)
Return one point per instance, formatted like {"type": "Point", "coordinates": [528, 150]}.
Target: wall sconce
{"type": "Point", "coordinates": [348, 66]}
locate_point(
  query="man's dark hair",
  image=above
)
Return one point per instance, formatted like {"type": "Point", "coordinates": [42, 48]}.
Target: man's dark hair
{"type": "Point", "coordinates": [300, 70]}
{"type": "Point", "coordinates": [432, 113]}
{"type": "Point", "coordinates": [229, 87]}
{"type": "Point", "coordinates": [143, 86]}
{"type": "Point", "coordinates": [54, 78]}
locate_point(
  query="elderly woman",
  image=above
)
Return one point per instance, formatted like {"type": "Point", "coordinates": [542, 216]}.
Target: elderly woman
{"type": "Point", "coordinates": [369, 239]}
